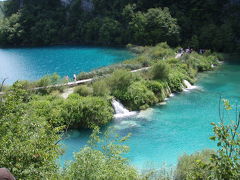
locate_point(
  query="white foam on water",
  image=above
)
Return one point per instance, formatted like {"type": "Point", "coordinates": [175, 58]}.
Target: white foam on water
{"type": "Point", "coordinates": [163, 103]}
{"type": "Point", "coordinates": [120, 110]}
{"type": "Point", "coordinates": [145, 113]}
{"type": "Point", "coordinates": [126, 124]}
{"type": "Point", "coordinates": [188, 86]}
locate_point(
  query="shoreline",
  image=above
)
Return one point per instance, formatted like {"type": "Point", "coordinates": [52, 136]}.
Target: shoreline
{"type": "Point", "coordinates": [148, 90]}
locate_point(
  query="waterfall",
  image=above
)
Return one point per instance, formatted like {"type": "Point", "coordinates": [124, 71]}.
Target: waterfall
{"type": "Point", "coordinates": [178, 55]}
{"type": "Point", "coordinates": [188, 85]}
{"type": "Point", "coordinates": [120, 110]}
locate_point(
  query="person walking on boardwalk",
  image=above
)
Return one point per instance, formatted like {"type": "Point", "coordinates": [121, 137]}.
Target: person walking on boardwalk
{"type": "Point", "coordinates": [66, 78]}
{"type": "Point", "coordinates": [75, 77]}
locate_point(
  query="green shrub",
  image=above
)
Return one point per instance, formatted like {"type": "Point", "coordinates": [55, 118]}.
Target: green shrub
{"type": "Point", "coordinates": [49, 108]}
{"type": "Point", "coordinates": [87, 112]}
{"type": "Point", "coordinates": [139, 96]}
{"type": "Point", "coordinates": [160, 71]}
{"type": "Point", "coordinates": [161, 51]}
{"type": "Point", "coordinates": [142, 60]}
{"type": "Point", "coordinates": [83, 90]}
{"type": "Point", "coordinates": [101, 162]}
{"type": "Point", "coordinates": [28, 145]}
{"type": "Point", "coordinates": [26, 84]}
{"type": "Point", "coordinates": [157, 88]}
{"type": "Point", "coordinates": [119, 81]}
{"type": "Point", "coordinates": [100, 88]}
{"type": "Point", "coordinates": [200, 62]}
{"type": "Point", "coordinates": [186, 164]}
{"type": "Point", "coordinates": [48, 81]}
{"type": "Point", "coordinates": [175, 81]}
{"type": "Point", "coordinates": [126, 65]}
{"type": "Point", "coordinates": [136, 49]}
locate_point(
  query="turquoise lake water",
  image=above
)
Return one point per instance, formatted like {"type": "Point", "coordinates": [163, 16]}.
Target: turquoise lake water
{"type": "Point", "coordinates": [33, 63]}
{"type": "Point", "coordinates": [163, 133]}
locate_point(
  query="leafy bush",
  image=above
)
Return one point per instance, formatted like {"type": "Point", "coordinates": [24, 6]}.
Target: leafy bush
{"type": "Point", "coordinates": [199, 62]}
{"type": "Point", "coordinates": [161, 51]}
{"type": "Point", "coordinates": [83, 90]}
{"type": "Point", "coordinates": [223, 164]}
{"type": "Point", "coordinates": [175, 81]}
{"type": "Point", "coordinates": [119, 81]}
{"type": "Point", "coordinates": [47, 81]}
{"type": "Point", "coordinates": [100, 88]}
{"type": "Point", "coordinates": [87, 112]}
{"type": "Point", "coordinates": [154, 26]}
{"type": "Point", "coordinates": [157, 88]}
{"type": "Point", "coordinates": [28, 145]}
{"type": "Point", "coordinates": [101, 162]}
{"type": "Point", "coordinates": [160, 71]}
{"type": "Point", "coordinates": [138, 96]}
{"type": "Point", "coordinates": [108, 70]}
{"type": "Point", "coordinates": [50, 108]}
{"type": "Point", "coordinates": [186, 164]}
{"type": "Point", "coordinates": [136, 49]}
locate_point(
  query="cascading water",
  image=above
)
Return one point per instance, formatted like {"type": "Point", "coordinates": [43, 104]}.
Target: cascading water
{"type": "Point", "coordinates": [120, 110]}
{"type": "Point", "coordinates": [188, 85]}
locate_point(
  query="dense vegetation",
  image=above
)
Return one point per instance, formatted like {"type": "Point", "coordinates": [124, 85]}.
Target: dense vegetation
{"type": "Point", "coordinates": [210, 24]}
{"type": "Point", "coordinates": [29, 148]}
{"type": "Point", "coordinates": [90, 105]}
{"type": "Point", "coordinates": [34, 120]}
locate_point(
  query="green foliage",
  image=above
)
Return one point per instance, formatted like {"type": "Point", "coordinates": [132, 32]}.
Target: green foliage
{"type": "Point", "coordinates": [138, 96]}
{"type": "Point", "coordinates": [28, 143]}
{"type": "Point", "coordinates": [48, 80]}
{"type": "Point", "coordinates": [157, 88]}
{"type": "Point", "coordinates": [49, 108]}
{"type": "Point", "coordinates": [203, 24]}
{"type": "Point", "coordinates": [224, 164]}
{"type": "Point", "coordinates": [83, 90]}
{"type": "Point", "coordinates": [187, 164]}
{"type": "Point", "coordinates": [201, 63]}
{"type": "Point", "coordinates": [119, 81]}
{"type": "Point", "coordinates": [86, 112]}
{"type": "Point", "coordinates": [154, 26]}
{"type": "Point", "coordinates": [108, 70]}
{"type": "Point", "coordinates": [228, 138]}
{"type": "Point", "coordinates": [100, 88]}
{"type": "Point", "coordinates": [194, 42]}
{"type": "Point", "coordinates": [164, 173]}
{"type": "Point", "coordinates": [110, 32]}
{"type": "Point", "coordinates": [101, 162]}
{"type": "Point", "coordinates": [175, 81]}
{"type": "Point", "coordinates": [11, 31]}
{"type": "Point", "coordinates": [160, 71]}
{"type": "Point", "coordinates": [161, 51]}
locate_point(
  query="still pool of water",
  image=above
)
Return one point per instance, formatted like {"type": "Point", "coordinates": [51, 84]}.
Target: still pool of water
{"type": "Point", "coordinates": [33, 63]}
{"type": "Point", "coordinates": [163, 133]}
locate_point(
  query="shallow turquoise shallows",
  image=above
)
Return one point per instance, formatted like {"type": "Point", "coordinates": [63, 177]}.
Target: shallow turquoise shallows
{"type": "Point", "coordinates": [33, 63]}
{"type": "Point", "coordinates": [165, 132]}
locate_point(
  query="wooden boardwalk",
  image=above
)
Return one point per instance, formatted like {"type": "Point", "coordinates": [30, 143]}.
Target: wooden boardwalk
{"type": "Point", "coordinates": [76, 83]}
{"type": "Point", "coordinates": [70, 84]}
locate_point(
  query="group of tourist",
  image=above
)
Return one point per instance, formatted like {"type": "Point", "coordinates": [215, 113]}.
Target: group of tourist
{"type": "Point", "coordinates": [74, 78]}
{"type": "Point", "coordinates": [182, 51]}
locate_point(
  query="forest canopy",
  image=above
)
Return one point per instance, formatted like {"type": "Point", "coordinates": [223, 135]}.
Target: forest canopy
{"type": "Point", "coordinates": [209, 24]}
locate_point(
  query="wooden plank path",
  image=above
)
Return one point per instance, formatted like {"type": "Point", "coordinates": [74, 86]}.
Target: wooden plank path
{"type": "Point", "coordinates": [70, 84]}
{"type": "Point", "coordinates": [76, 83]}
